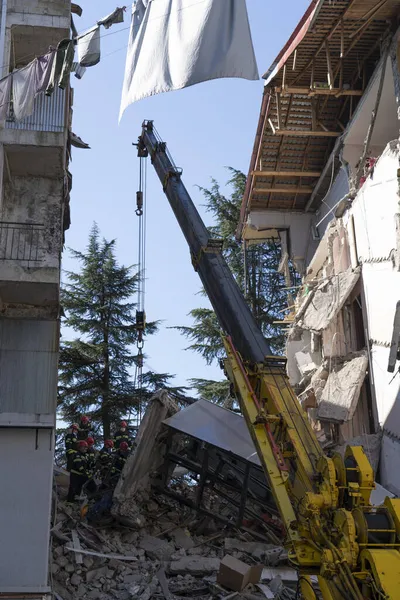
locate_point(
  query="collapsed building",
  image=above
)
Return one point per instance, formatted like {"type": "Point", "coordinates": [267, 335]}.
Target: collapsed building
{"type": "Point", "coordinates": [324, 181]}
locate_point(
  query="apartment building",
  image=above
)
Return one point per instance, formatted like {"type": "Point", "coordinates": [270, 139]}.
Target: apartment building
{"type": "Point", "coordinates": [34, 196]}
{"type": "Point", "coordinates": [324, 181]}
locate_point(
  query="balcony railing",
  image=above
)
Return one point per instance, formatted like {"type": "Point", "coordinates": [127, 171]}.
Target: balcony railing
{"type": "Point", "coordinates": [48, 114]}
{"type": "Point", "coordinates": [21, 242]}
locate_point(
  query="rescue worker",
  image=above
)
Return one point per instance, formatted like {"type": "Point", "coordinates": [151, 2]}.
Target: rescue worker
{"type": "Point", "coordinates": [84, 428]}
{"type": "Point", "coordinates": [119, 460]}
{"type": "Point", "coordinates": [91, 455]}
{"type": "Point", "coordinates": [105, 459]}
{"type": "Point", "coordinates": [122, 435]}
{"type": "Point", "coordinates": [70, 444]}
{"type": "Point", "coordinates": [79, 471]}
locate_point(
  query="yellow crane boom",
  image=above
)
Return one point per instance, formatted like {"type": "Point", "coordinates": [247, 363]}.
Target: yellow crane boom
{"type": "Point", "coordinates": [332, 530]}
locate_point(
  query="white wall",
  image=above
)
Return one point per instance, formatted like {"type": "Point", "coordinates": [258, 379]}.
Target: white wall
{"type": "Point", "coordinates": [374, 210]}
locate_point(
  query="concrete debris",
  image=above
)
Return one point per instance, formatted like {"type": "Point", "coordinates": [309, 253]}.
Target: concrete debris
{"type": "Point", "coordinates": [340, 395]}
{"type": "Point", "coordinates": [167, 558]}
{"type": "Point", "coordinates": [156, 548]}
{"type": "Point", "coordinates": [147, 457]}
{"type": "Point", "coordinates": [154, 544]}
{"type": "Point", "coordinates": [323, 304]}
{"type": "Point", "coordinates": [195, 565]}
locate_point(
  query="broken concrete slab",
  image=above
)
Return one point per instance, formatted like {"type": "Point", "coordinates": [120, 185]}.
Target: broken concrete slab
{"type": "Point", "coordinates": [148, 456]}
{"type": "Point", "coordinates": [340, 395]}
{"type": "Point", "coordinates": [156, 548]}
{"type": "Point", "coordinates": [96, 574]}
{"type": "Point", "coordinates": [182, 538]}
{"type": "Point", "coordinates": [257, 549]}
{"type": "Point", "coordinates": [324, 303]}
{"type": "Point", "coordinates": [286, 574]}
{"type": "Point", "coordinates": [194, 565]}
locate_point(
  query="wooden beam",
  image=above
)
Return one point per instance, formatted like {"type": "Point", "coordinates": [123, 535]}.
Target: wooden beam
{"type": "Point", "coordinates": [278, 108]}
{"type": "Point", "coordinates": [305, 133]}
{"type": "Point", "coordinates": [272, 126]}
{"type": "Point", "coordinates": [284, 190]}
{"type": "Point", "coordinates": [341, 54]}
{"type": "Point", "coordinates": [305, 91]}
{"type": "Point", "coordinates": [314, 120]}
{"type": "Point", "coordinates": [329, 66]}
{"type": "Point", "coordinates": [286, 173]}
{"type": "Point", "coordinates": [294, 60]}
{"type": "Point", "coordinates": [326, 37]}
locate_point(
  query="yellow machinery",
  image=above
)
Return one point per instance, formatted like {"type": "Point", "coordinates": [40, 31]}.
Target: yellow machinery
{"type": "Point", "coordinates": [332, 530]}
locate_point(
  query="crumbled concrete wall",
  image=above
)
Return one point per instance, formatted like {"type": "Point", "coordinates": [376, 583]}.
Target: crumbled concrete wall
{"type": "Point", "coordinates": [147, 457]}
{"type": "Point", "coordinates": [41, 8]}
{"type": "Point", "coordinates": [340, 394]}
{"type": "Point", "coordinates": [37, 200]}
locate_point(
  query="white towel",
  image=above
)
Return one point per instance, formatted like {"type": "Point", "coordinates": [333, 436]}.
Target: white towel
{"type": "Point", "coordinates": [176, 43]}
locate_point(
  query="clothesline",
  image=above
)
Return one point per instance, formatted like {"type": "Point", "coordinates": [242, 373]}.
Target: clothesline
{"type": "Point", "coordinates": [51, 70]}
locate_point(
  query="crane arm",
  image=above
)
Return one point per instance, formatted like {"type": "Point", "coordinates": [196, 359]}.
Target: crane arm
{"type": "Point", "coordinates": [332, 529]}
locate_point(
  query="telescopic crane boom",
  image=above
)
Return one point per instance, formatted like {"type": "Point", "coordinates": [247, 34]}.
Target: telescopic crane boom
{"type": "Point", "coordinates": [332, 530]}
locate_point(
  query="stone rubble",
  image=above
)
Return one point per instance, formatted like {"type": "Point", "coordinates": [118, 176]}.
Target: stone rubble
{"type": "Point", "coordinates": [163, 536]}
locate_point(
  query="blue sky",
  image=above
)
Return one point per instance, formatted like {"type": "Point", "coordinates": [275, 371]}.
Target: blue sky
{"type": "Point", "coordinates": [207, 127]}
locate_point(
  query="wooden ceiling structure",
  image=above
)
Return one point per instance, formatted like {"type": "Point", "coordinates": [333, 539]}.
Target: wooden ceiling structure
{"type": "Point", "coordinates": [311, 92]}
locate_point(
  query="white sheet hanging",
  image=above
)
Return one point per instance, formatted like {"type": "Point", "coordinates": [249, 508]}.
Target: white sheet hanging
{"type": "Point", "coordinates": [88, 47]}
{"type": "Point", "coordinates": [176, 43]}
{"type": "Point", "coordinates": [5, 96]}
{"type": "Point", "coordinates": [24, 84]}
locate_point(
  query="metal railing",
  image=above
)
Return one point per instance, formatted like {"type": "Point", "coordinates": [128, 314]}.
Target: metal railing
{"type": "Point", "coordinates": [48, 114]}
{"type": "Point", "coordinates": [21, 241]}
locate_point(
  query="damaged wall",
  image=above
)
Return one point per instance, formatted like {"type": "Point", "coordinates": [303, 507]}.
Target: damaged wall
{"type": "Point", "coordinates": [36, 200]}
{"type": "Point", "coordinates": [353, 308]}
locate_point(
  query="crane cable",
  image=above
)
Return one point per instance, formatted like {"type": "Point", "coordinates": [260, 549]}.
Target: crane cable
{"type": "Point", "coordinates": [141, 289]}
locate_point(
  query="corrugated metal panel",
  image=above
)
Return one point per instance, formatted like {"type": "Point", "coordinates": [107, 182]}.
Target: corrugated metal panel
{"type": "Point", "coordinates": [25, 502]}
{"type": "Point", "coordinates": [28, 366]}
{"type": "Point", "coordinates": [48, 114]}
{"type": "Point", "coordinates": [217, 426]}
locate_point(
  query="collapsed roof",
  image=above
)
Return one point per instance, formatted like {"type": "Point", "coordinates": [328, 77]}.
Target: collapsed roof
{"type": "Point", "coordinates": [312, 90]}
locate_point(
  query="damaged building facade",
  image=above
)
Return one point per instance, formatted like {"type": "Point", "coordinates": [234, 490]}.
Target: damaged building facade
{"type": "Point", "coordinates": [34, 193]}
{"type": "Point", "coordinates": [324, 181]}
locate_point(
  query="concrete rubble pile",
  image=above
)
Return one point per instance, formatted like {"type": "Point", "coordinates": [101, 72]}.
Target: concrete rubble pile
{"type": "Point", "coordinates": [154, 546]}
{"type": "Point", "coordinates": [163, 557]}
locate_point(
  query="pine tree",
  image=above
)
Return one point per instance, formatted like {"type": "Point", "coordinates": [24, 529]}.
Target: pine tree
{"type": "Point", "coordinates": [256, 274]}
{"type": "Point", "coordinates": [96, 367]}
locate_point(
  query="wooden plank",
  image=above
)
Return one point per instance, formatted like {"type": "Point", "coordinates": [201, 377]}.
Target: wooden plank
{"type": "Point", "coordinates": [286, 173]}
{"type": "Point", "coordinates": [305, 133]}
{"type": "Point", "coordinates": [283, 190]}
{"type": "Point", "coordinates": [329, 65]}
{"type": "Point", "coordinates": [315, 91]}
{"type": "Point", "coordinates": [77, 547]}
{"type": "Point", "coordinates": [278, 108]}
{"type": "Point", "coordinates": [102, 555]}
{"type": "Point", "coordinates": [272, 126]}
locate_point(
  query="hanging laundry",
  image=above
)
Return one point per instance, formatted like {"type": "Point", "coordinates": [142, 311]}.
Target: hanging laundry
{"type": "Point", "coordinates": [115, 17]}
{"type": "Point", "coordinates": [62, 65]}
{"type": "Point", "coordinates": [173, 45]}
{"type": "Point", "coordinates": [5, 96]}
{"type": "Point", "coordinates": [78, 70]}
{"type": "Point", "coordinates": [88, 46]}
{"type": "Point", "coordinates": [23, 90]}
{"type": "Point", "coordinates": [44, 65]}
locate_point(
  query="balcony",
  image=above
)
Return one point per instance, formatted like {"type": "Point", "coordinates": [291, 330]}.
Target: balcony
{"type": "Point", "coordinates": [29, 264]}
{"type": "Point", "coordinates": [35, 146]}
{"type": "Point", "coordinates": [21, 242]}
